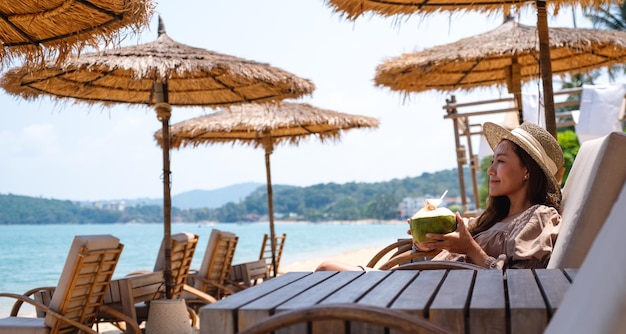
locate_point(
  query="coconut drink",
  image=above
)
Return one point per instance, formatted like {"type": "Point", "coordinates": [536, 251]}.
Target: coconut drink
{"type": "Point", "coordinates": [432, 219]}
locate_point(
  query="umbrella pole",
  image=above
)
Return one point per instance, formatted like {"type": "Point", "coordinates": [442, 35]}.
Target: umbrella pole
{"type": "Point", "coordinates": [270, 202]}
{"type": "Point", "coordinates": [546, 67]}
{"type": "Point", "coordinates": [164, 111]}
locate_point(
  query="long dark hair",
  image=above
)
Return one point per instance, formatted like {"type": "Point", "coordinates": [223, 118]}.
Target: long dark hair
{"type": "Point", "coordinates": [498, 206]}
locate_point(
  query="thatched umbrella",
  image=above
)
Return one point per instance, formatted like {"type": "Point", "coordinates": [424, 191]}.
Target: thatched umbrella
{"type": "Point", "coordinates": [355, 8]}
{"type": "Point", "coordinates": [264, 126]}
{"type": "Point", "coordinates": [506, 56]}
{"type": "Point", "coordinates": [160, 74]}
{"type": "Point", "coordinates": [35, 28]}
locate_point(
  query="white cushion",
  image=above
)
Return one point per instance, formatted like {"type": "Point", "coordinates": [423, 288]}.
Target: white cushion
{"type": "Point", "coordinates": [23, 325]}
{"type": "Point", "coordinates": [208, 253]}
{"type": "Point", "coordinates": [596, 301]}
{"type": "Point", "coordinates": [182, 237]}
{"type": "Point", "coordinates": [91, 242]}
{"type": "Point", "coordinates": [594, 182]}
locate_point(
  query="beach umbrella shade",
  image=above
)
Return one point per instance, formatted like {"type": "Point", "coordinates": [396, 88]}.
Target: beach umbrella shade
{"type": "Point", "coordinates": [161, 74]}
{"type": "Point", "coordinates": [264, 126]}
{"type": "Point", "coordinates": [506, 56]}
{"type": "Point", "coordinates": [35, 28]}
{"type": "Point", "coordinates": [352, 9]}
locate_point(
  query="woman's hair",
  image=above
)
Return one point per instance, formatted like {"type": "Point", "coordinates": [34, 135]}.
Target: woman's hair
{"type": "Point", "coordinates": [498, 206]}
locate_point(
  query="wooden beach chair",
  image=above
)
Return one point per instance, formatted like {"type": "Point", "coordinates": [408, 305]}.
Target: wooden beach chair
{"type": "Point", "coordinates": [130, 297]}
{"type": "Point", "coordinates": [591, 189]}
{"type": "Point", "coordinates": [77, 298]}
{"type": "Point", "coordinates": [266, 252]}
{"type": "Point", "coordinates": [212, 277]}
{"type": "Point", "coordinates": [247, 274]}
{"type": "Point", "coordinates": [595, 301]}
{"type": "Point", "coordinates": [397, 253]}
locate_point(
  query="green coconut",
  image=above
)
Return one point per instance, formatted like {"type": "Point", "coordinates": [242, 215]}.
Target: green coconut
{"type": "Point", "coordinates": [432, 219]}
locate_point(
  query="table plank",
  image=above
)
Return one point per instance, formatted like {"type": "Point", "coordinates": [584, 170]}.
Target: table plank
{"type": "Point", "coordinates": [553, 284]}
{"type": "Point", "coordinates": [350, 293]}
{"type": "Point", "coordinates": [418, 294]}
{"type": "Point", "coordinates": [222, 314]}
{"type": "Point", "coordinates": [527, 307]}
{"type": "Point", "coordinates": [263, 307]}
{"type": "Point", "coordinates": [356, 289]}
{"type": "Point", "coordinates": [315, 295]}
{"type": "Point", "coordinates": [382, 295]}
{"type": "Point", "coordinates": [450, 304]}
{"type": "Point", "coordinates": [487, 310]}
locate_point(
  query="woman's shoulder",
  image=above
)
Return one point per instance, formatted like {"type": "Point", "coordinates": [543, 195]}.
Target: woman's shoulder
{"type": "Point", "coordinates": [543, 214]}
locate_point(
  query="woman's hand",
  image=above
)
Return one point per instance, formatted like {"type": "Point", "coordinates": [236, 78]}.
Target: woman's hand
{"type": "Point", "coordinates": [459, 241]}
{"type": "Point", "coordinates": [421, 246]}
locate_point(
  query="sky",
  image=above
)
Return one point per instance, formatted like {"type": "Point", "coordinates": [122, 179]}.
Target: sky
{"type": "Point", "coordinates": [77, 152]}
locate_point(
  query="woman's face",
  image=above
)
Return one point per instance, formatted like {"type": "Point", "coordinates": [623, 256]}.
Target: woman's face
{"type": "Point", "coordinates": [507, 176]}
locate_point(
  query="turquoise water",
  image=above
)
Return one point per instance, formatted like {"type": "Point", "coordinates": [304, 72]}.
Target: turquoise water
{"type": "Point", "coordinates": [33, 255]}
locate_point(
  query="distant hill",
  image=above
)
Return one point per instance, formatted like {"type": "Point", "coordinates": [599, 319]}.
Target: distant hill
{"type": "Point", "coordinates": [211, 199]}
{"type": "Point", "coordinates": [241, 203]}
{"type": "Point", "coordinates": [195, 199]}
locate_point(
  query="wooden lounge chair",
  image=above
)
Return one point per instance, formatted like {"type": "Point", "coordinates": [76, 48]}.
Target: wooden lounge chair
{"type": "Point", "coordinates": [74, 304]}
{"type": "Point", "coordinates": [212, 277]}
{"type": "Point", "coordinates": [397, 253]}
{"type": "Point", "coordinates": [266, 252]}
{"type": "Point", "coordinates": [595, 301]}
{"type": "Point", "coordinates": [376, 316]}
{"type": "Point", "coordinates": [592, 187]}
{"type": "Point", "coordinates": [130, 296]}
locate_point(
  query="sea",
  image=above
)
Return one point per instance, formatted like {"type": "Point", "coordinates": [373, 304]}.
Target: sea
{"type": "Point", "coordinates": [33, 255]}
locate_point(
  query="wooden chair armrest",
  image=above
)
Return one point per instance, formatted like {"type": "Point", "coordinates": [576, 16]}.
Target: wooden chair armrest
{"type": "Point", "coordinates": [49, 311]}
{"type": "Point", "coordinates": [384, 317]}
{"type": "Point", "coordinates": [406, 257]}
{"type": "Point", "coordinates": [372, 263]}
{"type": "Point", "coordinates": [18, 303]}
{"type": "Point", "coordinates": [434, 265]}
{"type": "Point", "coordinates": [119, 316]}
{"type": "Point", "coordinates": [205, 297]}
{"type": "Point", "coordinates": [213, 284]}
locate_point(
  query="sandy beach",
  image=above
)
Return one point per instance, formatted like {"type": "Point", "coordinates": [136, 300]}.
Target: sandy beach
{"type": "Point", "coordinates": [356, 257]}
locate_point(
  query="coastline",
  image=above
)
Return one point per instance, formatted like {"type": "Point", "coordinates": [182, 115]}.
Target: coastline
{"type": "Point", "coordinates": [359, 256]}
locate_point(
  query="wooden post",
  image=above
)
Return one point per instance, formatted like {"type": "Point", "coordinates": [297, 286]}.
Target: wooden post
{"type": "Point", "coordinates": [460, 152]}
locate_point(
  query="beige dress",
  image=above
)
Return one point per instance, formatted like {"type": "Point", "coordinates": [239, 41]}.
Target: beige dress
{"type": "Point", "coordinates": [523, 242]}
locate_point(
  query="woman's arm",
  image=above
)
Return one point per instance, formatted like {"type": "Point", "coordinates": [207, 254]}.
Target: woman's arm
{"type": "Point", "coordinates": [460, 242]}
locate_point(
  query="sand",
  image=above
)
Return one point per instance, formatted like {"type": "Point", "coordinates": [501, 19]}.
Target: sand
{"type": "Point", "coordinates": [355, 257]}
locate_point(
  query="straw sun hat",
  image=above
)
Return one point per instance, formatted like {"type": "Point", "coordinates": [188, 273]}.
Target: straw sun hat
{"type": "Point", "coordinates": [538, 143]}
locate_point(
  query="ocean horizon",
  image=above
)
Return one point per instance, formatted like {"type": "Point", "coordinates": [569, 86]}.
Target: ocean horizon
{"type": "Point", "coordinates": [34, 255]}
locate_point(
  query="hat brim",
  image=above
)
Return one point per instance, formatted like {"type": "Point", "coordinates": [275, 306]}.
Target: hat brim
{"type": "Point", "coordinates": [495, 133]}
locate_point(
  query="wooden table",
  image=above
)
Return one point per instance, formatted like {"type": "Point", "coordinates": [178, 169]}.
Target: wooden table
{"type": "Point", "coordinates": [483, 301]}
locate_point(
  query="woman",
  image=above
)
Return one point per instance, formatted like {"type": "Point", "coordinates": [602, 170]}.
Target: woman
{"type": "Point", "coordinates": [520, 224]}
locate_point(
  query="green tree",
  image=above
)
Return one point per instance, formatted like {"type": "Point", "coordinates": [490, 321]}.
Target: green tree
{"type": "Point", "coordinates": [609, 17]}
{"type": "Point", "coordinates": [568, 140]}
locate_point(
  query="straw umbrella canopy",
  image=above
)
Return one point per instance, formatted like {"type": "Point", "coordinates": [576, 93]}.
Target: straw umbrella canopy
{"type": "Point", "coordinates": [264, 126]}
{"type": "Point", "coordinates": [506, 56]}
{"type": "Point", "coordinates": [161, 74]}
{"type": "Point", "coordinates": [35, 28]}
{"type": "Point", "coordinates": [352, 9]}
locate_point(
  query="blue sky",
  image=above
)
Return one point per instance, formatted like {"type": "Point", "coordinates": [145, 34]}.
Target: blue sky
{"type": "Point", "coordinates": [72, 151]}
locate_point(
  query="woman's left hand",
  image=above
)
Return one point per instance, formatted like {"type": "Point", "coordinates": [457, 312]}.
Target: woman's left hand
{"type": "Point", "coordinates": [459, 241]}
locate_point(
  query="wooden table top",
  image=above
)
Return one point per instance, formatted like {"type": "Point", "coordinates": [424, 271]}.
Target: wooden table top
{"type": "Point", "coordinates": [482, 301]}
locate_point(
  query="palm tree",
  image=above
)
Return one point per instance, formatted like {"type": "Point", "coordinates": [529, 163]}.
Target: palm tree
{"type": "Point", "coordinates": [611, 18]}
